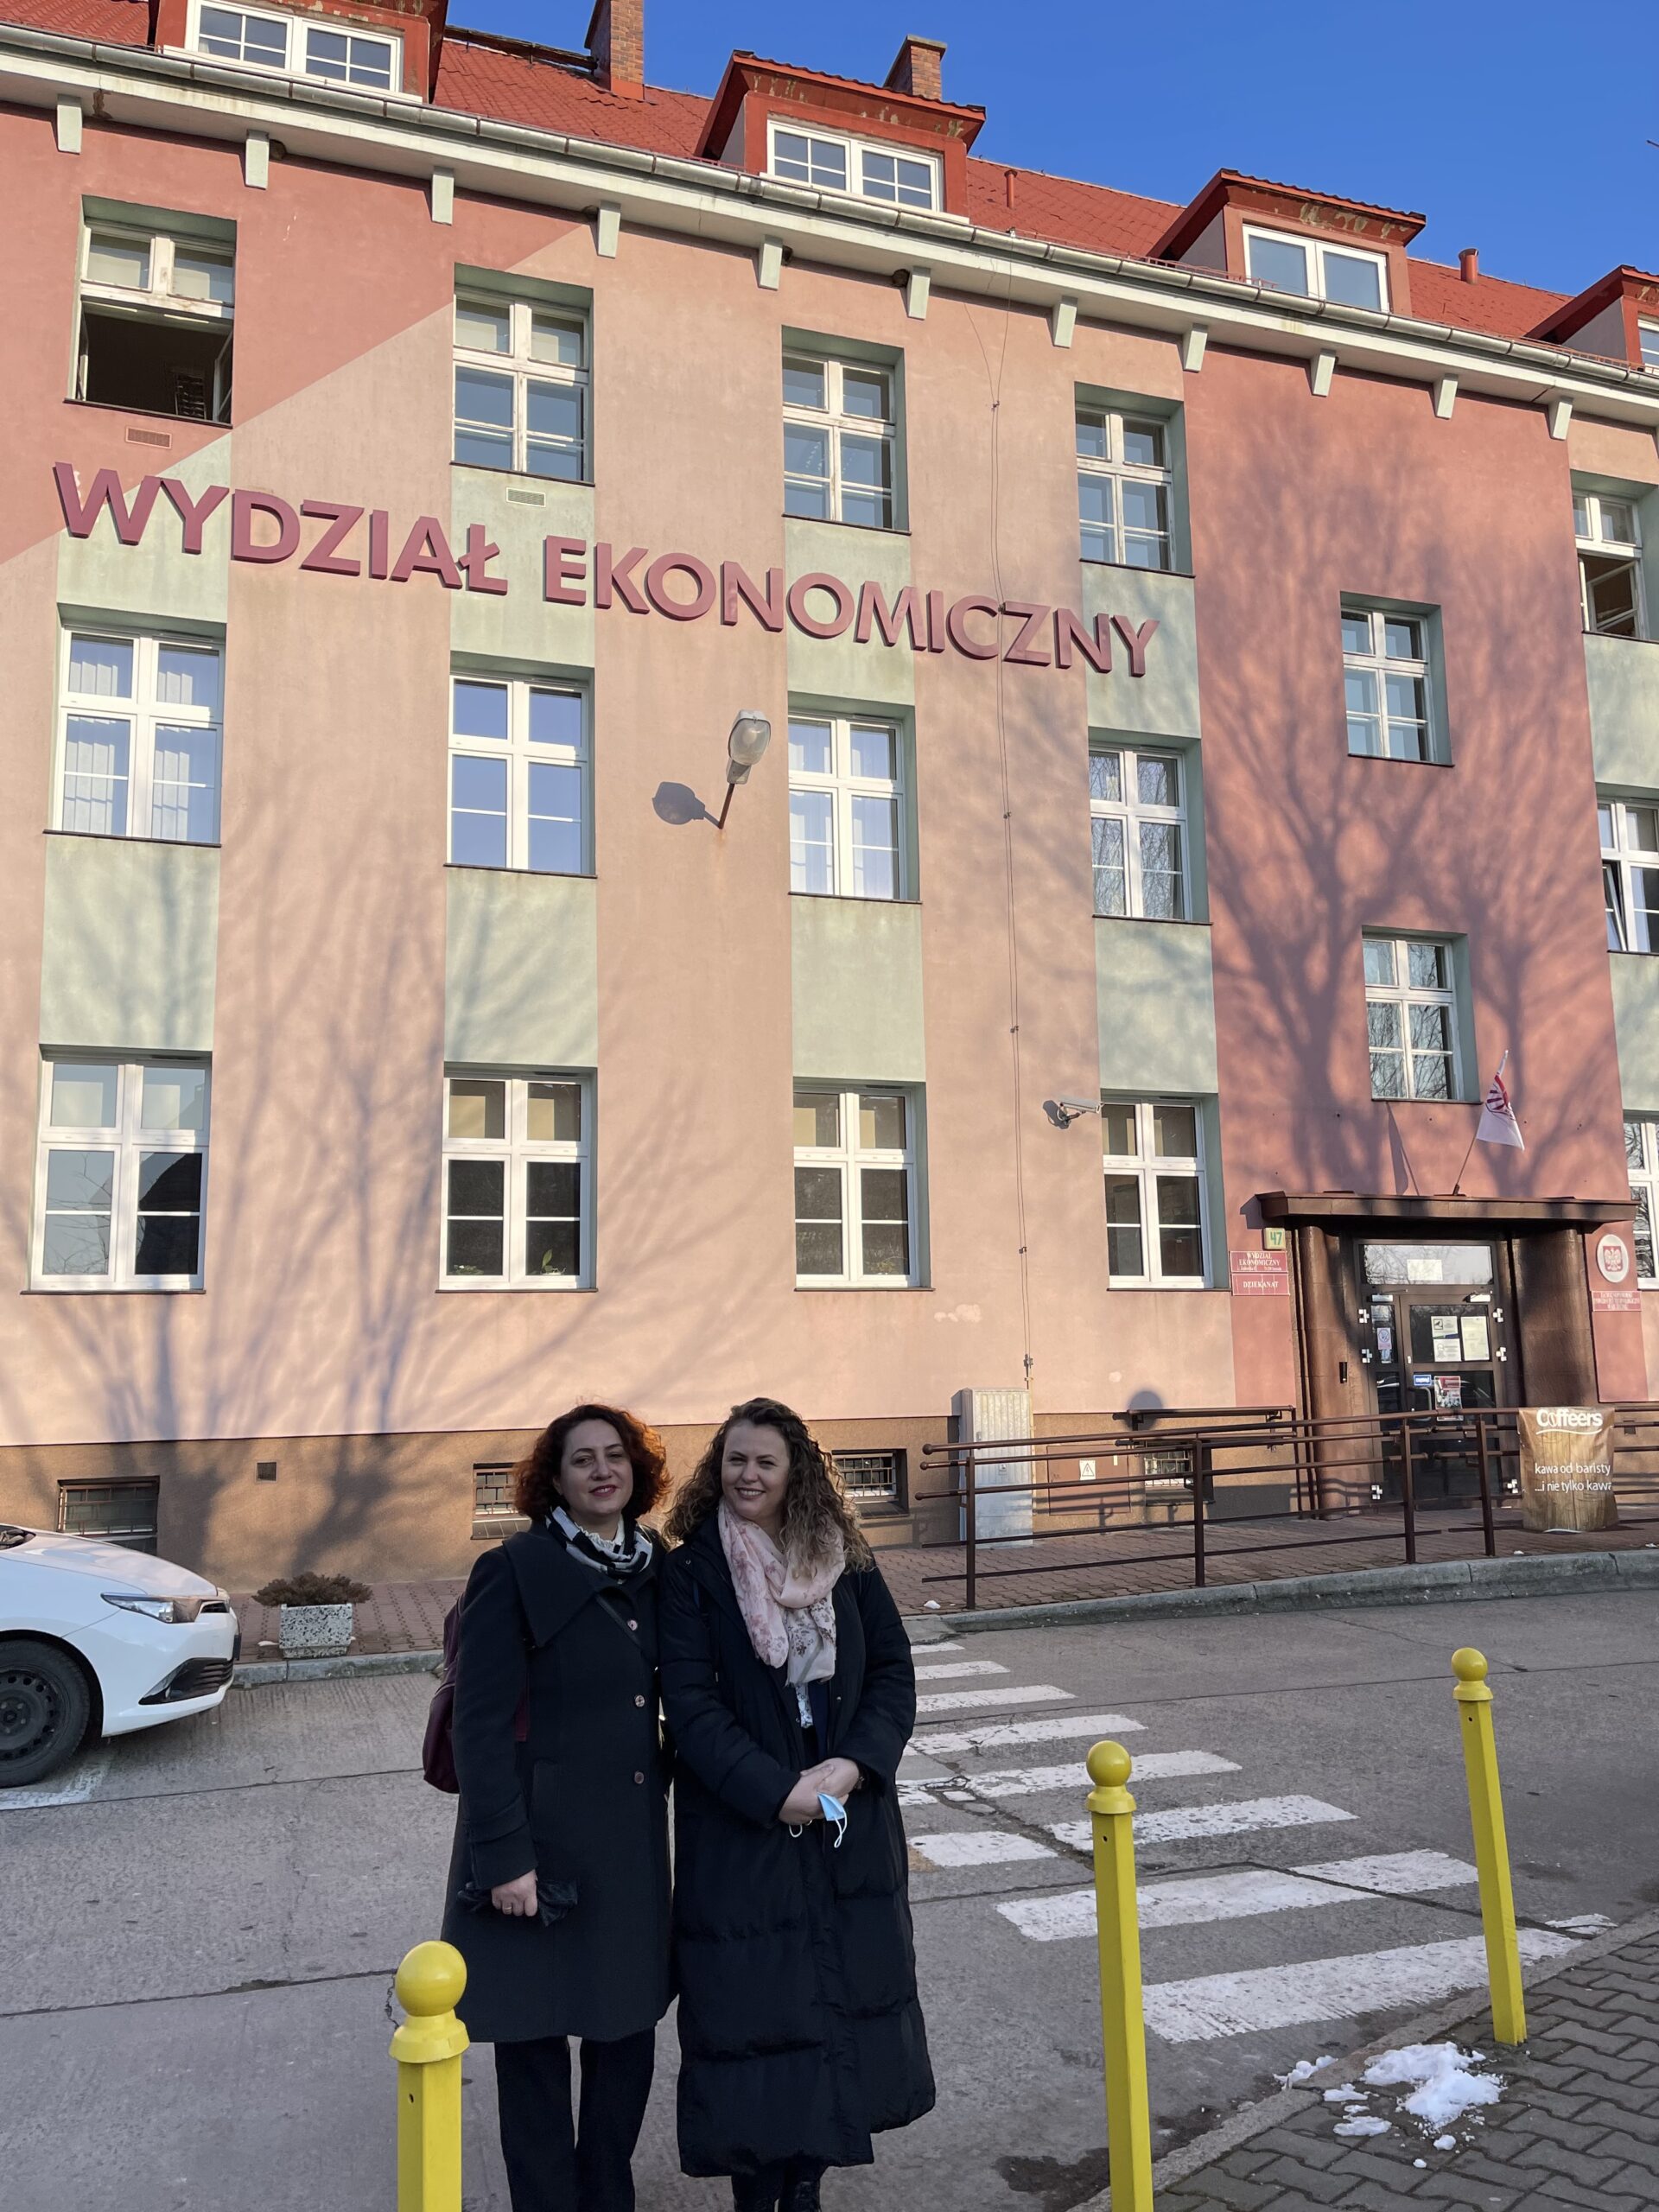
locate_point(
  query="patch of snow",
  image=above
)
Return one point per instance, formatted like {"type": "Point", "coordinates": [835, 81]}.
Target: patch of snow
{"type": "Point", "coordinates": [932, 1606]}
{"type": "Point", "coordinates": [1300, 2072]}
{"type": "Point", "coordinates": [1446, 2142]}
{"type": "Point", "coordinates": [1420, 2162]}
{"type": "Point", "coordinates": [1580, 1923]}
{"type": "Point", "coordinates": [1445, 2088]}
{"type": "Point", "coordinates": [1363, 2123]}
{"type": "Point", "coordinates": [1347, 2094]}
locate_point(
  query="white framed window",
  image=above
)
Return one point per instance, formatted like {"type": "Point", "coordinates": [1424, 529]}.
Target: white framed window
{"type": "Point", "coordinates": [1411, 1018]}
{"type": "Point", "coordinates": [1609, 535]}
{"type": "Point", "coordinates": [521, 388]}
{"type": "Point", "coordinates": [1316, 267]}
{"type": "Point", "coordinates": [846, 807]}
{"type": "Point", "coordinates": [839, 440]}
{"type": "Point", "coordinates": [1153, 1153]}
{"type": "Point", "coordinates": [518, 782]}
{"type": "Point", "coordinates": [855, 1186]}
{"type": "Point", "coordinates": [1642, 1158]}
{"type": "Point", "coordinates": [121, 1184]}
{"type": "Point", "coordinates": [1137, 821]}
{"type": "Point", "coordinates": [516, 1181]}
{"type": "Point", "coordinates": [897, 175]}
{"type": "Point", "coordinates": [155, 321]}
{"type": "Point", "coordinates": [1386, 688]}
{"type": "Point", "coordinates": [1123, 488]}
{"type": "Point", "coordinates": [261, 39]}
{"type": "Point", "coordinates": [1647, 335]}
{"type": "Point", "coordinates": [1629, 874]}
{"type": "Point", "coordinates": [139, 734]}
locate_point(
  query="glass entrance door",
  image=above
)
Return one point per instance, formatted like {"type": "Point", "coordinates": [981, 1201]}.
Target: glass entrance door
{"type": "Point", "coordinates": [1433, 1333]}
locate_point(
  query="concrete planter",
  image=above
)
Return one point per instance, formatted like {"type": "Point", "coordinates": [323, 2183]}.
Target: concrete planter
{"type": "Point", "coordinates": [316, 1631]}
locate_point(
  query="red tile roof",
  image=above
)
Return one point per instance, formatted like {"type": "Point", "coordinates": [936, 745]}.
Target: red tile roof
{"type": "Point", "coordinates": [479, 73]}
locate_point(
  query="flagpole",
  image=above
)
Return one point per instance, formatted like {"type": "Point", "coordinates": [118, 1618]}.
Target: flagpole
{"type": "Point", "coordinates": [1456, 1187]}
{"type": "Point", "coordinates": [1497, 1081]}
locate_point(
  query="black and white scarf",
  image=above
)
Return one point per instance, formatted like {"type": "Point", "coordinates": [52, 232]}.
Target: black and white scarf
{"type": "Point", "coordinates": [617, 1559]}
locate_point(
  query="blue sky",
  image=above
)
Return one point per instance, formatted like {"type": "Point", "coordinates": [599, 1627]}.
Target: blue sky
{"type": "Point", "coordinates": [1518, 126]}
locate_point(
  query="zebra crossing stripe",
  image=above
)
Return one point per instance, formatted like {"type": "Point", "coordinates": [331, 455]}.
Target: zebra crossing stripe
{"type": "Point", "coordinates": [1035, 1780]}
{"type": "Point", "coordinates": [981, 1847]}
{"type": "Point", "coordinates": [1328, 1989]}
{"type": "Point", "coordinates": [959, 1670]}
{"type": "Point", "coordinates": [964, 1701]}
{"type": "Point", "coordinates": [1192, 1900]}
{"type": "Point", "coordinates": [1182, 1822]}
{"type": "Point", "coordinates": [998, 1735]}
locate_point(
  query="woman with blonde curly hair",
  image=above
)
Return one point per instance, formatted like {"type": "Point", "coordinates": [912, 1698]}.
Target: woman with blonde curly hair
{"type": "Point", "coordinates": [790, 1693]}
{"type": "Point", "coordinates": [558, 1880]}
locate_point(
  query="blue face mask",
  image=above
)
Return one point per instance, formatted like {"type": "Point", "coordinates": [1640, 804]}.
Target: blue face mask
{"type": "Point", "coordinates": [836, 1813]}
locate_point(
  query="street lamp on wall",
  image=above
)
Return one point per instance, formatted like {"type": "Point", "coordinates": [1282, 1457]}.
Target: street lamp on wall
{"type": "Point", "coordinates": [751, 733]}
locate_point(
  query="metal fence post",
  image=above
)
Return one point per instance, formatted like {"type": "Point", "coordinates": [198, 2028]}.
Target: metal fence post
{"type": "Point", "coordinates": [1491, 1846]}
{"type": "Point", "coordinates": [428, 2048]}
{"type": "Point", "coordinates": [1486, 1522]}
{"type": "Point", "coordinates": [972, 1561]}
{"type": "Point", "coordinates": [1123, 2028]}
{"type": "Point", "coordinates": [1407, 1499]}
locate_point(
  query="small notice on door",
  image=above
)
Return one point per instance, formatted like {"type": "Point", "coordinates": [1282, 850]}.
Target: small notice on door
{"type": "Point", "coordinates": [1476, 1343]}
{"type": "Point", "coordinates": [1260, 1274]}
{"type": "Point", "coordinates": [1447, 1341]}
{"type": "Point", "coordinates": [1448, 1392]}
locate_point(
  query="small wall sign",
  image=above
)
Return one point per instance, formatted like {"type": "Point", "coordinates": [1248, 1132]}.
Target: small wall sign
{"type": "Point", "coordinates": [1612, 1257]}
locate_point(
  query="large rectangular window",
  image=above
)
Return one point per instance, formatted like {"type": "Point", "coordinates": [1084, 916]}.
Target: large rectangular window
{"type": "Point", "coordinates": [846, 807]}
{"type": "Point", "coordinates": [516, 1181]}
{"type": "Point", "coordinates": [521, 388]}
{"type": "Point", "coordinates": [1386, 685]}
{"type": "Point", "coordinates": [1138, 822]}
{"type": "Point", "coordinates": [1629, 874]}
{"type": "Point", "coordinates": [1123, 488]}
{"type": "Point", "coordinates": [156, 313]}
{"type": "Point", "coordinates": [898, 176]}
{"type": "Point", "coordinates": [138, 737]}
{"type": "Point", "coordinates": [855, 1186]}
{"type": "Point", "coordinates": [262, 39]}
{"type": "Point", "coordinates": [1609, 534]}
{"type": "Point", "coordinates": [1318, 271]}
{"type": "Point", "coordinates": [839, 435]}
{"type": "Point", "coordinates": [1642, 1158]}
{"type": "Point", "coordinates": [121, 1181]}
{"type": "Point", "coordinates": [1411, 1018]}
{"type": "Point", "coordinates": [519, 781]}
{"type": "Point", "coordinates": [1152, 1151]}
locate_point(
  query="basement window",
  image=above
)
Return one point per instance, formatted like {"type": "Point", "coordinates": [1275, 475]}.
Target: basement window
{"type": "Point", "coordinates": [117, 1512]}
{"type": "Point", "coordinates": [157, 311]}
{"type": "Point", "coordinates": [871, 1478]}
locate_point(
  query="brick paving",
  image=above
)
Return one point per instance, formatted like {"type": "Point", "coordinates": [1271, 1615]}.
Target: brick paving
{"type": "Point", "coordinates": [400, 1617]}
{"type": "Point", "coordinates": [1578, 2123]}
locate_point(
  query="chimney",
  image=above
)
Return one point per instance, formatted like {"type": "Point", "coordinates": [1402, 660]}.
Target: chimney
{"type": "Point", "coordinates": [616, 46]}
{"type": "Point", "coordinates": [917, 69]}
{"type": "Point", "coordinates": [1469, 264]}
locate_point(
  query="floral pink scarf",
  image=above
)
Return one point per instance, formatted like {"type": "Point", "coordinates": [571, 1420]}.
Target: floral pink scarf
{"type": "Point", "coordinates": [791, 1616]}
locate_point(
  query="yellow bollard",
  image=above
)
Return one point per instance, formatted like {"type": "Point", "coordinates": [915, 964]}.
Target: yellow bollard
{"type": "Point", "coordinates": [1123, 2028]}
{"type": "Point", "coordinates": [1491, 1847]}
{"type": "Point", "coordinates": [428, 2048]}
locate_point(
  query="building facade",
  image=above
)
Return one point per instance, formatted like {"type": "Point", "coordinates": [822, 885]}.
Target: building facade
{"type": "Point", "coordinates": [1197, 646]}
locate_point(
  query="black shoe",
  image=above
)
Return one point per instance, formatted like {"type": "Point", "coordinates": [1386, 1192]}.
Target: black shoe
{"type": "Point", "coordinates": [753, 2193]}
{"type": "Point", "coordinates": [801, 2192]}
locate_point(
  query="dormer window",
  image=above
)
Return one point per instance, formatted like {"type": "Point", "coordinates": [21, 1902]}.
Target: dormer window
{"type": "Point", "coordinates": [259, 40]}
{"type": "Point", "coordinates": [856, 165]}
{"type": "Point", "coordinates": [1315, 270]}
{"type": "Point", "coordinates": [1647, 337]}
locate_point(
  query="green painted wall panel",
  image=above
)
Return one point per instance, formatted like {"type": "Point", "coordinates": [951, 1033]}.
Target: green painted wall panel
{"type": "Point", "coordinates": [1157, 1008]}
{"type": "Point", "coordinates": [521, 984]}
{"type": "Point", "coordinates": [1636, 1025]}
{"type": "Point", "coordinates": [840, 668]}
{"type": "Point", "coordinates": [156, 578]}
{"type": "Point", "coordinates": [130, 944]}
{"type": "Point", "coordinates": [1164, 703]}
{"type": "Point", "coordinates": [857, 989]}
{"type": "Point", "coordinates": [519, 625]}
{"type": "Point", "coordinates": [1623, 678]}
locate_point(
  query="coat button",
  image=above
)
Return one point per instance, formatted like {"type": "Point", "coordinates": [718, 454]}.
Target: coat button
{"type": "Point", "coordinates": [634, 1625]}
{"type": "Point", "coordinates": [639, 1700]}
{"type": "Point", "coordinates": [640, 1778]}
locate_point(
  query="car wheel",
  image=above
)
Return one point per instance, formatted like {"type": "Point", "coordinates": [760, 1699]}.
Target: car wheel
{"type": "Point", "coordinates": [44, 1707]}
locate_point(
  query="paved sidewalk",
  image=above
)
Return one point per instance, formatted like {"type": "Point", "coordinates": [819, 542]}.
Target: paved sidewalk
{"type": "Point", "coordinates": [1577, 2124]}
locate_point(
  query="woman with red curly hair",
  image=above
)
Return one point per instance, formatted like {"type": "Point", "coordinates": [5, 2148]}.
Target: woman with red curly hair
{"type": "Point", "coordinates": [559, 1883]}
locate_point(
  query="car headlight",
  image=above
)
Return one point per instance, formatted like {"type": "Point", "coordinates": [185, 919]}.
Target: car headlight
{"type": "Point", "coordinates": [176, 1610]}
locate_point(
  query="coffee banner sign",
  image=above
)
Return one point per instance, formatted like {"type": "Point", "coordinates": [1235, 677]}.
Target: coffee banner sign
{"type": "Point", "coordinates": [1566, 1467]}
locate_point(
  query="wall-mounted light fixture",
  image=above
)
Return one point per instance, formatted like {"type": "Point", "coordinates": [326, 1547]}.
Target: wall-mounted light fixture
{"type": "Point", "coordinates": [1064, 1111]}
{"type": "Point", "coordinates": [751, 733]}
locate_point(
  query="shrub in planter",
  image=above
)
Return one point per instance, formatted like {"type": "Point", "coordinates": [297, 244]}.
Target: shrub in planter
{"type": "Point", "coordinates": [315, 1612]}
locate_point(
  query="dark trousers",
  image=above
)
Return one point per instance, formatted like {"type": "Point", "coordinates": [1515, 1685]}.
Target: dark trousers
{"type": "Point", "coordinates": [556, 2163]}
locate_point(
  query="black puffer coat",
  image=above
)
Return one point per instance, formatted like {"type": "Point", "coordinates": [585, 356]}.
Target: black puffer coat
{"type": "Point", "coordinates": [583, 1800]}
{"type": "Point", "coordinates": [800, 2032]}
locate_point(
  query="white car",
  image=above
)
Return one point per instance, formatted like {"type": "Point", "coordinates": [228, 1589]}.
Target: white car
{"type": "Point", "coordinates": [96, 1640]}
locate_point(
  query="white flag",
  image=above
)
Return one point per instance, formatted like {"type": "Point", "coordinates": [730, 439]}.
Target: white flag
{"type": "Point", "coordinates": [1497, 1121]}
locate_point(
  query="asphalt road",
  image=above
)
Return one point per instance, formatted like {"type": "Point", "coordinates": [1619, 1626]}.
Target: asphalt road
{"type": "Point", "coordinates": [200, 1932]}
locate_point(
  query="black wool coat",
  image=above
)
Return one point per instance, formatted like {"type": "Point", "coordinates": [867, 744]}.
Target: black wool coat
{"type": "Point", "coordinates": [800, 2031]}
{"type": "Point", "coordinates": [582, 1800]}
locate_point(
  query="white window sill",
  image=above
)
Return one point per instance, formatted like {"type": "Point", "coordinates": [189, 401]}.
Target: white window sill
{"type": "Point", "coordinates": [885, 1284]}
{"type": "Point", "coordinates": [843, 522]}
{"type": "Point", "coordinates": [548, 1286]}
{"type": "Point", "coordinates": [90, 1286]}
